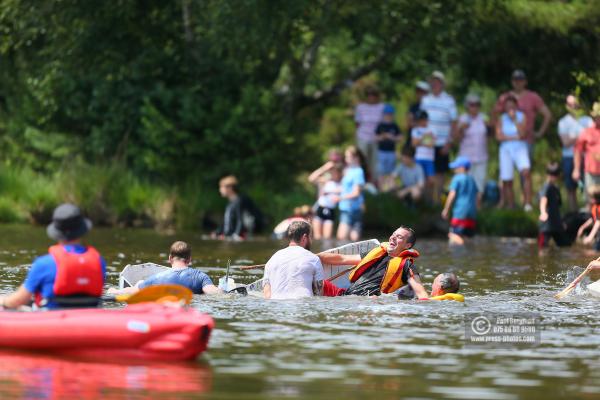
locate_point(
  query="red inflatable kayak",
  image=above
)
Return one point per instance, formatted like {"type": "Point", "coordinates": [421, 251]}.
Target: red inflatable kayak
{"type": "Point", "coordinates": [146, 331]}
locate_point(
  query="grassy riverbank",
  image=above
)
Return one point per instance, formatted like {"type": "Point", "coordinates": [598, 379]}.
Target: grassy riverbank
{"type": "Point", "coordinates": [112, 196]}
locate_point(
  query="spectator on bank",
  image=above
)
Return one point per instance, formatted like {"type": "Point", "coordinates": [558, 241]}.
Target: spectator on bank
{"type": "Point", "coordinates": [588, 146]}
{"type": "Point", "coordinates": [441, 109]}
{"type": "Point", "coordinates": [462, 199]}
{"type": "Point", "coordinates": [411, 176]}
{"type": "Point", "coordinates": [328, 179]}
{"type": "Point", "coordinates": [367, 116]}
{"type": "Point", "coordinates": [423, 139]}
{"type": "Point", "coordinates": [550, 221]}
{"type": "Point", "coordinates": [569, 128]}
{"type": "Point", "coordinates": [242, 217]}
{"type": "Point", "coordinates": [472, 136]}
{"type": "Point", "coordinates": [421, 89]}
{"type": "Point", "coordinates": [510, 132]}
{"type": "Point", "coordinates": [530, 103]}
{"type": "Point", "coordinates": [387, 134]}
{"type": "Point", "coordinates": [351, 200]}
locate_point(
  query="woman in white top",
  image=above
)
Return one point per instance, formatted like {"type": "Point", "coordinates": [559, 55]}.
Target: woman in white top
{"type": "Point", "coordinates": [472, 135]}
{"type": "Point", "coordinates": [510, 132]}
{"type": "Point", "coordinates": [330, 188]}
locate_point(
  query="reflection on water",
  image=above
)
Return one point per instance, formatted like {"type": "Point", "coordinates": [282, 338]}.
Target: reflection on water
{"type": "Point", "coordinates": [348, 347]}
{"type": "Point", "coordinates": [30, 376]}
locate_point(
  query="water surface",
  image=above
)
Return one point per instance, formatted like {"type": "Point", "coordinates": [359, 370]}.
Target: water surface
{"type": "Point", "coordinates": [324, 348]}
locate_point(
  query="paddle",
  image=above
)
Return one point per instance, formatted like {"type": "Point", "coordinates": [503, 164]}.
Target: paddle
{"type": "Point", "coordinates": [245, 267]}
{"type": "Point", "coordinates": [575, 282]}
{"type": "Point", "coordinates": [154, 293]}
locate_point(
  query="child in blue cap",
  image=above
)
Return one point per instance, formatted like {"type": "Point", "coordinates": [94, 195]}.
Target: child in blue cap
{"type": "Point", "coordinates": [463, 200]}
{"type": "Point", "coordinates": [387, 134]}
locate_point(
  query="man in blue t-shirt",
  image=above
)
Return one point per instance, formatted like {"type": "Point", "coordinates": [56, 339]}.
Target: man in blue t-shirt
{"type": "Point", "coordinates": [180, 258]}
{"type": "Point", "coordinates": [70, 275]}
{"type": "Point", "coordinates": [463, 200]}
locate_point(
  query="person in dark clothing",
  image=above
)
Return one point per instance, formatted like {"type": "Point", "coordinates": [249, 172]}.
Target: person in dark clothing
{"type": "Point", "coordinates": [551, 225]}
{"type": "Point", "coordinates": [241, 217]}
{"type": "Point", "coordinates": [385, 269]}
{"type": "Point", "coordinates": [386, 134]}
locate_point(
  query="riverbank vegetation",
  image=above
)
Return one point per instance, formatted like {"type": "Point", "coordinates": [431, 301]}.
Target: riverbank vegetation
{"type": "Point", "coordinates": [134, 109]}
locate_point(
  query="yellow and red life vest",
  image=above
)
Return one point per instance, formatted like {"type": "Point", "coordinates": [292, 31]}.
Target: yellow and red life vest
{"type": "Point", "coordinates": [595, 212]}
{"type": "Point", "coordinates": [392, 279]}
{"type": "Point", "coordinates": [79, 274]}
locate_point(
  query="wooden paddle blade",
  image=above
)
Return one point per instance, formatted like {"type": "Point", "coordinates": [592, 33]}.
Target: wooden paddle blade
{"type": "Point", "coordinates": [572, 285]}
{"type": "Point", "coordinates": [157, 293]}
{"type": "Point", "coordinates": [450, 296]}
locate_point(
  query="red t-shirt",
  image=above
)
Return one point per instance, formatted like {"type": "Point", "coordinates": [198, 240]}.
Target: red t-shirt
{"type": "Point", "coordinates": [530, 103]}
{"type": "Point", "coordinates": [589, 144]}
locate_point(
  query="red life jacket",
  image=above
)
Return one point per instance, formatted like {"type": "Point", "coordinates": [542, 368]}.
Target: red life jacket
{"type": "Point", "coordinates": [77, 274]}
{"type": "Point", "coordinates": [595, 211]}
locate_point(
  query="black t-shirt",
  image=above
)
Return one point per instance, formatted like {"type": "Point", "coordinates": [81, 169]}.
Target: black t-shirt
{"type": "Point", "coordinates": [241, 217]}
{"type": "Point", "coordinates": [369, 283]}
{"type": "Point", "coordinates": [554, 221]}
{"type": "Point", "coordinates": [387, 127]}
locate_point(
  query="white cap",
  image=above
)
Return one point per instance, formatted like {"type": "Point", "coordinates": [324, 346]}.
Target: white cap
{"type": "Point", "coordinates": [438, 75]}
{"type": "Point", "coordinates": [422, 85]}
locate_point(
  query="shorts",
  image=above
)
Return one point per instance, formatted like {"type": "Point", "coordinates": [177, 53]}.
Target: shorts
{"type": "Point", "coordinates": [441, 160]}
{"type": "Point", "coordinates": [428, 167]}
{"type": "Point", "coordinates": [511, 156]}
{"type": "Point", "coordinates": [567, 171]}
{"type": "Point", "coordinates": [353, 219]}
{"type": "Point", "coordinates": [386, 162]}
{"type": "Point", "coordinates": [463, 227]}
{"type": "Point", "coordinates": [325, 214]}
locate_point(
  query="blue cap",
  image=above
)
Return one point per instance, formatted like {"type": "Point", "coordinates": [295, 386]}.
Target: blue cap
{"type": "Point", "coordinates": [389, 109]}
{"type": "Point", "coordinates": [460, 162]}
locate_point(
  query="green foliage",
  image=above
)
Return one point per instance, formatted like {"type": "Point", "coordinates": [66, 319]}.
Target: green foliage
{"type": "Point", "coordinates": [159, 94]}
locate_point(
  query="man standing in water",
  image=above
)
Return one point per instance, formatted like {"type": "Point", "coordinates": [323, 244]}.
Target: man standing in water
{"type": "Point", "coordinates": [294, 272]}
{"type": "Point", "coordinates": [70, 275]}
{"type": "Point", "coordinates": [181, 273]}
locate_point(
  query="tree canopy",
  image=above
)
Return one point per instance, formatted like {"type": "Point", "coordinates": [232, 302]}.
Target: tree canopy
{"type": "Point", "coordinates": [187, 88]}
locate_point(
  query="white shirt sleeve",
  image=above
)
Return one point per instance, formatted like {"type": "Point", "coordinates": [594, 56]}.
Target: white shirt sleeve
{"type": "Point", "coordinates": [452, 109]}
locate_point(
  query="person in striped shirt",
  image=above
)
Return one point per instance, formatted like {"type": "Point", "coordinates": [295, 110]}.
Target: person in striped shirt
{"type": "Point", "coordinates": [441, 109]}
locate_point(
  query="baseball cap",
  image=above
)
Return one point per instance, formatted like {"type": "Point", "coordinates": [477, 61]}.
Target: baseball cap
{"type": "Point", "coordinates": [518, 74]}
{"type": "Point", "coordinates": [460, 162]}
{"type": "Point", "coordinates": [388, 109]}
{"type": "Point", "coordinates": [438, 75]}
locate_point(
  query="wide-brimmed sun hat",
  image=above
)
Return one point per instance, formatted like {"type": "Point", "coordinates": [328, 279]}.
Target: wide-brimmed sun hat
{"type": "Point", "coordinates": [68, 223]}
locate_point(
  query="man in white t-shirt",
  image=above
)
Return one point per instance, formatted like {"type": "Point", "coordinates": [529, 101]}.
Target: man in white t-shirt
{"type": "Point", "coordinates": [294, 272]}
{"type": "Point", "coordinates": [441, 110]}
{"type": "Point", "coordinates": [569, 129]}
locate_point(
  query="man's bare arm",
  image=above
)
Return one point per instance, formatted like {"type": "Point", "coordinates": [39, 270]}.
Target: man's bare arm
{"type": "Point", "coordinates": [267, 291]}
{"type": "Point", "coordinates": [339, 259]}
{"type": "Point", "coordinates": [417, 287]}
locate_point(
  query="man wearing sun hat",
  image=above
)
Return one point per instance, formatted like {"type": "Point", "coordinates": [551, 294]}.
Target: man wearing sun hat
{"type": "Point", "coordinates": [71, 274]}
{"type": "Point", "coordinates": [463, 200]}
{"type": "Point", "coordinates": [588, 147]}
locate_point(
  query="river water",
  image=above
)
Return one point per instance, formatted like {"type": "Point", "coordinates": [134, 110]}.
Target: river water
{"type": "Point", "coordinates": [326, 348]}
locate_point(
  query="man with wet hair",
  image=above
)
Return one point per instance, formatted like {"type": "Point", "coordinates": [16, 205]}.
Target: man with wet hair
{"type": "Point", "coordinates": [294, 272]}
{"type": "Point", "coordinates": [445, 283]}
{"type": "Point", "coordinates": [180, 273]}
